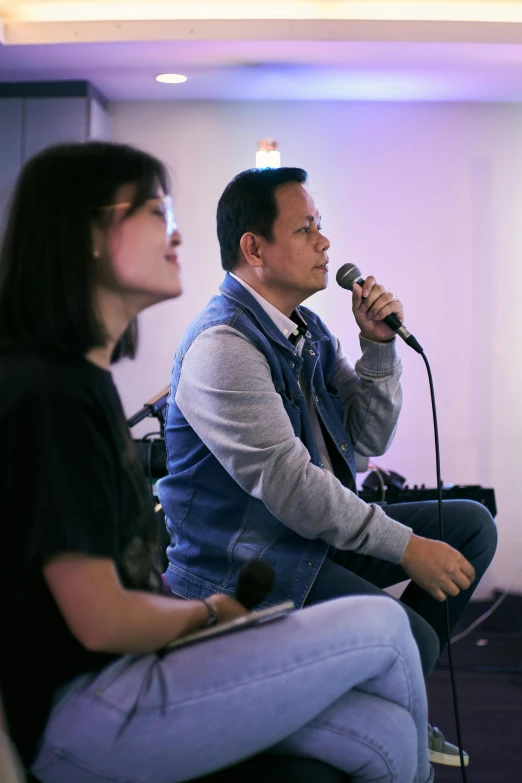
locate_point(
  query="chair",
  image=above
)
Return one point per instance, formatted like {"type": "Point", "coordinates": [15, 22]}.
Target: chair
{"type": "Point", "coordinates": [276, 769]}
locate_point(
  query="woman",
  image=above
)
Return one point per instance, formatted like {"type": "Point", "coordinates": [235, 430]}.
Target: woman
{"type": "Point", "coordinates": [90, 693]}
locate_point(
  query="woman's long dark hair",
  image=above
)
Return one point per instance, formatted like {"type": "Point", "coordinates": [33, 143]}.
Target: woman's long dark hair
{"type": "Point", "coordinates": [47, 268]}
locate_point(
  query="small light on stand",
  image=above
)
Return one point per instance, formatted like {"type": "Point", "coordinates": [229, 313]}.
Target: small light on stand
{"type": "Point", "coordinates": [267, 155]}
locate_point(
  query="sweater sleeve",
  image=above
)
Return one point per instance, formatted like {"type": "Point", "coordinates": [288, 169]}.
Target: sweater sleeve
{"type": "Point", "coordinates": [372, 395]}
{"type": "Point", "coordinates": [227, 396]}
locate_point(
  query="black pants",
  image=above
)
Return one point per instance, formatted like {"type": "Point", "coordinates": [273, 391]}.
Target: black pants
{"type": "Point", "coordinates": [468, 527]}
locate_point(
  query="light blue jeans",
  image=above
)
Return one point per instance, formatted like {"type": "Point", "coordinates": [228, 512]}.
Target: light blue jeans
{"type": "Point", "coordinates": [340, 682]}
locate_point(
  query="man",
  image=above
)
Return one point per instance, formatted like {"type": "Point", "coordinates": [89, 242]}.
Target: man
{"type": "Point", "coordinates": [264, 415]}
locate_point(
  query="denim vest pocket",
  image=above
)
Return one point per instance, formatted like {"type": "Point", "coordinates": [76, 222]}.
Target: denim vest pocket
{"type": "Point", "coordinates": [335, 399]}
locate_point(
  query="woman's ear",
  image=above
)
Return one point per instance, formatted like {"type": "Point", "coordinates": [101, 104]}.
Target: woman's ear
{"type": "Point", "coordinates": [98, 241]}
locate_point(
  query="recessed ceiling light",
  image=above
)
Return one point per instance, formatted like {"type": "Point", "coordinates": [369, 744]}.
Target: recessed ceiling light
{"type": "Point", "coordinates": [171, 78]}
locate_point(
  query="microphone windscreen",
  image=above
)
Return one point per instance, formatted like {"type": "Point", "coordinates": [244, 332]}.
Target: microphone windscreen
{"type": "Point", "coordinates": [255, 581]}
{"type": "Point", "coordinates": [347, 275]}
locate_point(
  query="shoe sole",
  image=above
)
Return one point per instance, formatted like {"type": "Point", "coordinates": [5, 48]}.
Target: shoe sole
{"type": "Point", "coordinates": [448, 759]}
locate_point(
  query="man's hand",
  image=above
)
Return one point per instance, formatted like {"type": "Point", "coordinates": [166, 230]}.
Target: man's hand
{"type": "Point", "coordinates": [437, 567]}
{"type": "Point", "coordinates": [370, 305]}
{"type": "Point", "coordinates": [226, 608]}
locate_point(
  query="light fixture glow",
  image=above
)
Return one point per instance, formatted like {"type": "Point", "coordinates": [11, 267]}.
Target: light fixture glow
{"type": "Point", "coordinates": [506, 11]}
{"type": "Point", "coordinates": [171, 78]}
{"type": "Point", "coordinates": [267, 155]}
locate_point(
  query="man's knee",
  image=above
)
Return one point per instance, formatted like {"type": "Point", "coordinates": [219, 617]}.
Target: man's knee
{"type": "Point", "coordinates": [473, 522]}
{"type": "Point", "coordinates": [481, 524]}
{"type": "Point", "coordinates": [486, 525]}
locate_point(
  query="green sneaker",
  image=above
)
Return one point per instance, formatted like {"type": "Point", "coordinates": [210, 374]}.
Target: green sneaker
{"type": "Point", "coordinates": [442, 752]}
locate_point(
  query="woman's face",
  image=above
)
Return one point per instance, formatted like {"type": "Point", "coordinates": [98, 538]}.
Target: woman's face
{"type": "Point", "coordinates": [142, 249]}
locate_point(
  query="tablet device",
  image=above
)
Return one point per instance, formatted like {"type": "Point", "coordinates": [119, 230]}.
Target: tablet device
{"type": "Point", "coordinates": [247, 621]}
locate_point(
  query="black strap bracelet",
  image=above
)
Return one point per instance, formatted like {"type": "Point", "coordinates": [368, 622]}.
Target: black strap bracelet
{"type": "Point", "coordinates": [212, 614]}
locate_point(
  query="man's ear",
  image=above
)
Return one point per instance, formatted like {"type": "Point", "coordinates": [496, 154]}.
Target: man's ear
{"type": "Point", "coordinates": [251, 248]}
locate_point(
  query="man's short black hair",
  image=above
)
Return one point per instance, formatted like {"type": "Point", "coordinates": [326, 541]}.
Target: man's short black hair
{"type": "Point", "coordinates": [248, 204]}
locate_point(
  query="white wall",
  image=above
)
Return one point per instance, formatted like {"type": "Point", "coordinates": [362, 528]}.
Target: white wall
{"type": "Point", "coordinates": [428, 198]}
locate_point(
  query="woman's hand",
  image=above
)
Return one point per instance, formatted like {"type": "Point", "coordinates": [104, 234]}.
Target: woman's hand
{"type": "Point", "coordinates": [106, 617]}
{"type": "Point", "coordinates": [226, 608]}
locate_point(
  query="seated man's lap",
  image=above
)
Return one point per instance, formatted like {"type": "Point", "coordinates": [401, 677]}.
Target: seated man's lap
{"type": "Point", "coordinates": [336, 578]}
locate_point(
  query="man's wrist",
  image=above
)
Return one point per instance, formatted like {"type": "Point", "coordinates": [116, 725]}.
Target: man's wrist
{"type": "Point", "coordinates": [409, 552]}
{"type": "Point", "coordinates": [373, 339]}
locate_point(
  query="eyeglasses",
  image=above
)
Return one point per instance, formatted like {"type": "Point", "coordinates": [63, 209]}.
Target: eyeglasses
{"type": "Point", "coordinates": [162, 205]}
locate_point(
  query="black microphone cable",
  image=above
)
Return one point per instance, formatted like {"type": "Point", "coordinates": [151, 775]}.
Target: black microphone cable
{"type": "Point", "coordinates": [346, 276]}
{"type": "Point", "coordinates": [446, 605]}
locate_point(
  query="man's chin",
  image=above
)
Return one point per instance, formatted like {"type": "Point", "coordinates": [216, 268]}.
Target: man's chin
{"type": "Point", "coordinates": [320, 287]}
{"type": "Point", "coordinates": [307, 293]}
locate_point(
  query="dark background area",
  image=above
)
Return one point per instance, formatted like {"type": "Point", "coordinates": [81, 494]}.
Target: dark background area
{"type": "Point", "coordinates": [488, 664]}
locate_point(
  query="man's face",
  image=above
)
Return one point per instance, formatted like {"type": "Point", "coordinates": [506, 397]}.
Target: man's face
{"type": "Point", "coordinates": [295, 262]}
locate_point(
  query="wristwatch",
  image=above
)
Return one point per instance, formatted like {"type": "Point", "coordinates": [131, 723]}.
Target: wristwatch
{"type": "Point", "coordinates": [212, 614]}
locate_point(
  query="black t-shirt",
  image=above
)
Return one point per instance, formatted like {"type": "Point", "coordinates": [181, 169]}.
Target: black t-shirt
{"type": "Point", "coordinates": [69, 482]}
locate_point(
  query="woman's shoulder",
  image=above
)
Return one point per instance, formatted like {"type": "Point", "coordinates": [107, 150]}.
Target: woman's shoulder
{"type": "Point", "coordinates": [27, 376]}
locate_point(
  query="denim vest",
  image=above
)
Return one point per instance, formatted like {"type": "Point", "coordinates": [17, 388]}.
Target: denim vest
{"type": "Point", "coordinates": [215, 526]}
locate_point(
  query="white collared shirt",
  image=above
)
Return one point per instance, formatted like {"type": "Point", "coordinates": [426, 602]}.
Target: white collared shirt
{"type": "Point", "coordinates": [284, 324]}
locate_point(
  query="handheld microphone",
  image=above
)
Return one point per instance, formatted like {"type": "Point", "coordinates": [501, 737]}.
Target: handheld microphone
{"type": "Point", "coordinates": [255, 581]}
{"type": "Point", "coordinates": [349, 274]}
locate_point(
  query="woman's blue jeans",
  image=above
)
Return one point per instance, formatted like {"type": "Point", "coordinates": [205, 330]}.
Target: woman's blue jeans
{"type": "Point", "coordinates": [340, 682]}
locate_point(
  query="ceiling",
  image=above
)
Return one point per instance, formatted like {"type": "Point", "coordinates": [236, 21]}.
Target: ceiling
{"type": "Point", "coordinates": [286, 50]}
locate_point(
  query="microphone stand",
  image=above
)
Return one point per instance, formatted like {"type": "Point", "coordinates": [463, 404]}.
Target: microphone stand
{"type": "Point", "coordinates": [154, 407]}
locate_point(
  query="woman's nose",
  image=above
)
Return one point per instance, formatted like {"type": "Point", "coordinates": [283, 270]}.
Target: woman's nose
{"type": "Point", "coordinates": [175, 238]}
